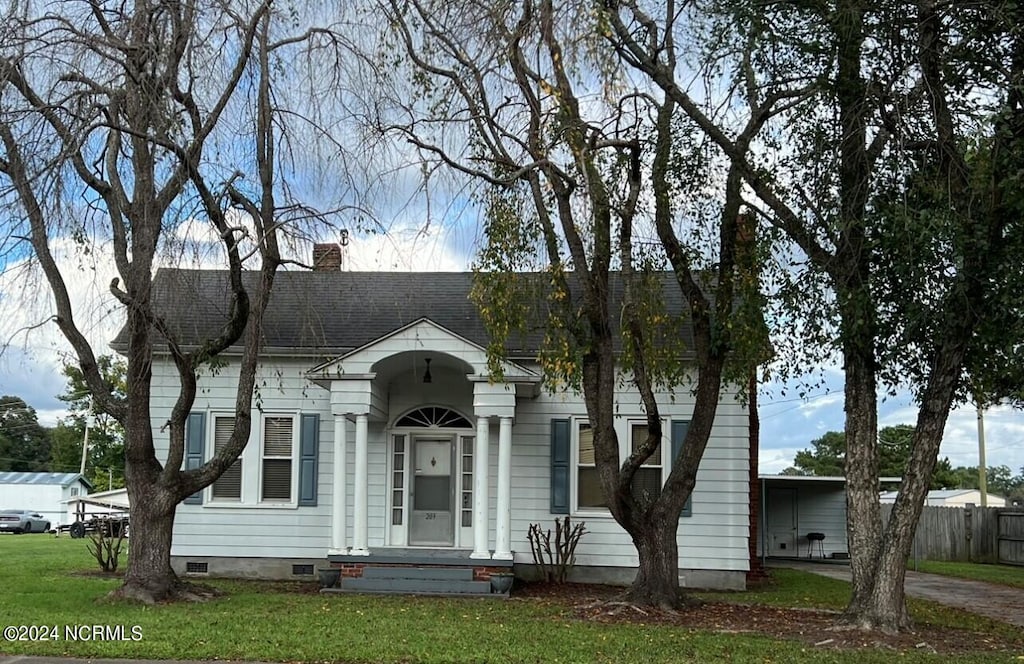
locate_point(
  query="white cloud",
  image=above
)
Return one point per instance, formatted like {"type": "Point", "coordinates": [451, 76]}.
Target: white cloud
{"type": "Point", "coordinates": [773, 461]}
{"type": "Point", "coordinates": [404, 249]}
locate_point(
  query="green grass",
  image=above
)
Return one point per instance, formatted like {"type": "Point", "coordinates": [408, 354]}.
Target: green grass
{"type": "Point", "coordinates": [1005, 575]}
{"type": "Point", "coordinates": [794, 588]}
{"type": "Point", "coordinates": [41, 584]}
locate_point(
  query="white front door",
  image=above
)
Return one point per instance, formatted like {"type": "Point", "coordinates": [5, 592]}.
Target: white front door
{"type": "Point", "coordinates": [432, 494]}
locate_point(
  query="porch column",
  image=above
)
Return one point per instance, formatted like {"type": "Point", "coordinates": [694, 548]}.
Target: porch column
{"type": "Point", "coordinates": [338, 485]}
{"type": "Point", "coordinates": [480, 524]}
{"type": "Point", "coordinates": [503, 531]}
{"type": "Point", "coordinates": [359, 541]}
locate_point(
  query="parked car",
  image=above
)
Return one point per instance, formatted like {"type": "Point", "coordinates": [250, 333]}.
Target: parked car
{"type": "Point", "coordinates": [23, 521]}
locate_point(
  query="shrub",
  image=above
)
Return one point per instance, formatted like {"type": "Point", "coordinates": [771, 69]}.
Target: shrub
{"type": "Point", "coordinates": [105, 542]}
{"type": "Point", "coordinates": [555, 559]}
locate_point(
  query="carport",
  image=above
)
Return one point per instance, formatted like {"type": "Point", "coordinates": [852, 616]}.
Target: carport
{"type": "Point", "coordinates": [794, 507]}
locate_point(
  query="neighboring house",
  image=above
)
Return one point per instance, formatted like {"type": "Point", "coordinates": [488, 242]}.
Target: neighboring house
{"type": "Point", "coordinates": [45, 493]}
{"type": "Point", "coordinates": [378, 440]}
{"type": "Point", "coordinates": [795, 506]}
{"type": "Point", "coordinates": [950, 498]}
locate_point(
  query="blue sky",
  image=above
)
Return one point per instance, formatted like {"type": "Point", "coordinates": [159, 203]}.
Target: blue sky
{"type": "Point", "coordinates": [30, 366]}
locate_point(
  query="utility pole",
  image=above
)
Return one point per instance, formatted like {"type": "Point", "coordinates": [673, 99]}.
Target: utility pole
{"type": "Point", "coordinates": [85, 438]}
{"type": "Point", "coordinates": [982, 478]}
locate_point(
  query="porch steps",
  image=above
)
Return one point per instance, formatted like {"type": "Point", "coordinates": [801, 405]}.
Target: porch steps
{"type": "Point", "coordinates": [431, 573]}
{"type": "Point", "coordinates": [443, 581]}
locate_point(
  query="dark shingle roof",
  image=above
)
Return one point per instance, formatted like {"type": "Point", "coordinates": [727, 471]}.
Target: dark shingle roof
{"type": "Point", "coordinates": [323, 312]}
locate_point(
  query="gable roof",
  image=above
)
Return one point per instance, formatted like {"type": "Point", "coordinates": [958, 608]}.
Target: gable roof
{"type": "Point", "coordinates": [327, 313]}
{"type": "Point", "coordinates": [62, 479]}
{"type": "Point", "coordinates": [474, 355]}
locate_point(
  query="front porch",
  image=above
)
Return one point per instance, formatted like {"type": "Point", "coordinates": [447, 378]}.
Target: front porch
{"type": "Point", "coordinates": [421, 414]}
{"type": "Point", "coordinates": [419, 571]}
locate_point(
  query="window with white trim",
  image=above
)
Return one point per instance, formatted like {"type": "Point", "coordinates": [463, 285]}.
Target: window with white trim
{"type": "Point", "coordinates": [228, 486]}
{"type": "Point", "coordinates": [588, 487]}
{"type": "Point", "coordinates": [278, 450]}
{"type": "Point", "coordinates": [648, 477]}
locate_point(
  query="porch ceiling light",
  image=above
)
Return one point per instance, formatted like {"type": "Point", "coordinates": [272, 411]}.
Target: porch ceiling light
{"type": "Point", "coordinates": [427, 378]}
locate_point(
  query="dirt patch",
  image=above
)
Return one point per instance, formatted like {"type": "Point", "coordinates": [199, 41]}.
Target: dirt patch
{"type": "Point", "coordinates": [816, 628]}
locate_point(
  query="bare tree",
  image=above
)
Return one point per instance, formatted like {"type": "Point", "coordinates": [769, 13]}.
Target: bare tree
{"type": "Point", "coordinates": [587, 181]}
{"type": "Point", "coordinates": [122, 122]}
{"type": "Point", "coordinates": [884, 183]}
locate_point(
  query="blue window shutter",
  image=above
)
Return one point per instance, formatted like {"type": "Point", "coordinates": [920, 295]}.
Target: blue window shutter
{"type": "Point", "coordinates": [560, 441]}
{"type": "Point", "coordinates": [679, 428]}
{"type": "Point", "coordinates": [308, 446]}
{"type": "Point", "coordinates": [195, 443]}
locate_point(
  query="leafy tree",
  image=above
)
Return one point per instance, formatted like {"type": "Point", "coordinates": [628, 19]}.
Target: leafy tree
{"type": "Point", "coordinates": [105, 458]}
{"type": "Point", "coordinates": [827, 456]}
{"type": "Point", "coordinates": [119, 123]}
{"type": "Point", "coordinates": [597, 206]}
{"type": "Point", "coordinates": [24, 443]}
{"type": "Point", "coordinates": [899, 185]}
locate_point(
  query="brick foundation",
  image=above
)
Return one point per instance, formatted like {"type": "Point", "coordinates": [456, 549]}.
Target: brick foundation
{"type": "Point", "coordinates": [351, 570]}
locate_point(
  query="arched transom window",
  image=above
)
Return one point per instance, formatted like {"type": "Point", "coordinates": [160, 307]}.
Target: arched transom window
{"type": "Point", "coordinates": [433, 416]}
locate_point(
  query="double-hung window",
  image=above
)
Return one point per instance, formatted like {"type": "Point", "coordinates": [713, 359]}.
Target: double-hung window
{"type": "Point", "coordinates": [278, 468]}
{"type": "Point", "coordinates": [588, 487]}
{"type": "Point", "coordinates": [574, 479]}
{"type": "Point", "coordinates": [278, 449]}
{"type": "Point", "coordinates": [648, 478]}
{"type": "Point", "coordinates": [228, 486]}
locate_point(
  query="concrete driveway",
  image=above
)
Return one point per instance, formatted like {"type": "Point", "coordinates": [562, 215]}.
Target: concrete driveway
{"type": "Point", "coordinates": [985, 599]}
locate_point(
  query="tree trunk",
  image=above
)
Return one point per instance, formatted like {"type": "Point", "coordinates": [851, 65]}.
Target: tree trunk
{"type": "Point", "coordinates": [149, 577]}
{"type": "Point", "coordinates": [864, 518]}
{"type": "Point", "coordinates": [657, 576]}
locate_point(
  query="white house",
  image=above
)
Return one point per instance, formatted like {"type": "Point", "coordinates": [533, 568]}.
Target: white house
{"type": "Point", "coordinates": [45, 493]}
{"type": "Point", "coordinates": [379, 441]}
{"type": "Point", "coordinates": [950, 498]}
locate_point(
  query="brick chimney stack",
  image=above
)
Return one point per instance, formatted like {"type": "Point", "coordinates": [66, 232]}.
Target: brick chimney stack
{"type": "Point", "coordinates": [327, 257]}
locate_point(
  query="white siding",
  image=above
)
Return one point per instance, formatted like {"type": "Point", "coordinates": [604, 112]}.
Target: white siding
{"type": "Point", "coordinates": [713, 538]}
{"type": "Point", "coordinates": [252, 530]}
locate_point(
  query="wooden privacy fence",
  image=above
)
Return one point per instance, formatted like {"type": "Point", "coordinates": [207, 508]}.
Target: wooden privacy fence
{"type": "Point", "coordinates": [968, 534]}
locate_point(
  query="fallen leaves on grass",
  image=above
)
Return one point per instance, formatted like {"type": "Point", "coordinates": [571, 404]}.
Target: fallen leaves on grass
{"type": "Point", "coordinates": [815, 627]}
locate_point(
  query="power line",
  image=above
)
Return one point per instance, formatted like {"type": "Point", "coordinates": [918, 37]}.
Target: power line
{"type": "Point", "coordinates": [810, 397]}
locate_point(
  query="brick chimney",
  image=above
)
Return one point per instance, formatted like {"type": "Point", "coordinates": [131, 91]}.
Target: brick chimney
{"type": "Point", "coordinates": [746, 267]}
{"type": "Point", "coordinates": [326, 257]}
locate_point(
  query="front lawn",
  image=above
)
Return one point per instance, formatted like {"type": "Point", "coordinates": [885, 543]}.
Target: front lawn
{"type": "Point", "coordinates": [1005, 575]}
{"type": "Point", "coordinates": [48, 582]}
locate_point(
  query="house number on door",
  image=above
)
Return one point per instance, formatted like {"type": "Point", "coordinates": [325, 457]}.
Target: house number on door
{"type": "Point", "coordinates": [430, 515]}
